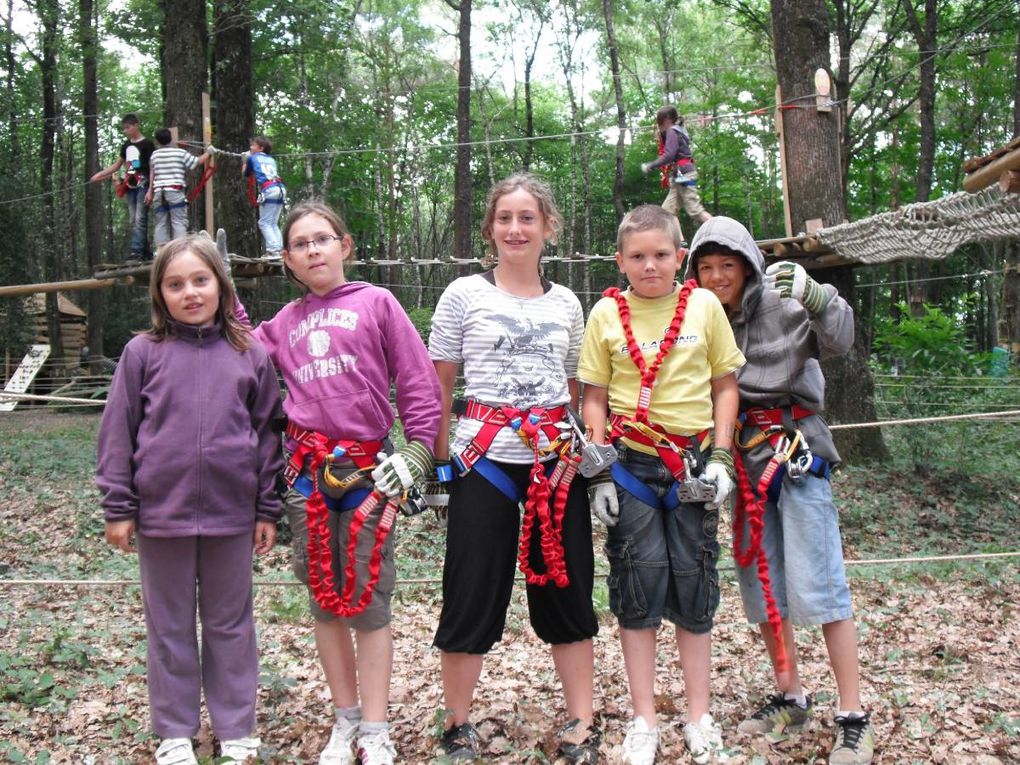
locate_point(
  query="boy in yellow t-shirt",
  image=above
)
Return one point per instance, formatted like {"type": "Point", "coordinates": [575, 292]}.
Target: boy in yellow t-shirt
{"type": "Point", "coordinates": [660, 359]}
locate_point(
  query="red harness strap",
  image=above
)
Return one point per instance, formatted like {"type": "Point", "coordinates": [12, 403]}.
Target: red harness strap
{"type": "Point", "coordinates": [668, 446]}
{"type": "Point", "coordinates": [202, 181]}
{"type": "Point", "coordinates": [750, 508]}
{"type": "Point", "coordinates": [315, 447]}
{"type": "Point", "coordinates": [529, 424]}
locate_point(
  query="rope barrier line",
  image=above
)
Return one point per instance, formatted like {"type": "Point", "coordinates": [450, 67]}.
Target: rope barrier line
{"type": "Point", "coordinates": [438, 580]}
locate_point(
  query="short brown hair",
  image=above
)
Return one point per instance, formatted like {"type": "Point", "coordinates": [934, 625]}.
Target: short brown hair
{"type": "Point", "coordinates": [535, 186]}
{"type": "Point", "coordinates": [236, 333]}
{"type": "Point", "coordinates": [648, 218]}
{"type": "Point", "coordinates": [263, 143]}
{"type": "Point", "coordinates": [312, 207]}
{"type": "Point", "coordinates": [668, 112]}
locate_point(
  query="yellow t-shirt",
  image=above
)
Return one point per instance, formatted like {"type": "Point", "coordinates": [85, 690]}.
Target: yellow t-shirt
{"type": "Point", "coordinates": [682, 395]}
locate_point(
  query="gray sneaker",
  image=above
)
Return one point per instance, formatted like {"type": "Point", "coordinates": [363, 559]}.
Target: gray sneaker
{"type": "Point", "coordinates": [778, 713]}
{"type": "Point", "coordinates": [855, 742]}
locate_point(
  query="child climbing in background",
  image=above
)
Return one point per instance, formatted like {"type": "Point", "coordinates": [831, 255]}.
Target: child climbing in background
{"type": "Point", "coordinates": [683, 188]}
{"type": "Point", "coordinates": [267, 191]}
{"type": "Point", "coordinates": [188, 453]}
{"type": "Point", "coordinates": [785, 322]}
{"type": "Point", "coordinates": [168, 168]}
{"type": "Point", "coordinates": [339, 347]}
{"type": "Point", "coordinates": [666, 395]}
{"type": "Point", "coordinates": [517, 336]}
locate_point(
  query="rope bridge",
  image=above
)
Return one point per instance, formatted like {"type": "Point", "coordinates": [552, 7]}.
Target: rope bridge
{"type": "Point", "coordinates": [927, 230]}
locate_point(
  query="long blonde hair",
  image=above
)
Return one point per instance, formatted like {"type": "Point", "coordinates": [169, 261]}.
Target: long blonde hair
{"type": "Point", "coordinates": [236, 333]}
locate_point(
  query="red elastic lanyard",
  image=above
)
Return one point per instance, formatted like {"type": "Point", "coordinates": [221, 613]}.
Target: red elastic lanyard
{"type": "Point", "coordinates": [750, 507]}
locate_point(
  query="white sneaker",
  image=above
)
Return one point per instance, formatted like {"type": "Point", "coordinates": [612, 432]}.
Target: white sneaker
{"type": "Point", "coordinates": [240, 749]}
{"type": "Point", "coordinates": [640, 744]}
{"type": "Point", "coordinates": [175, 751]}
{"type": "Point", "coordinates": [376, 749]}
{"type": "Point", "coordinates": [340, 749]}
{"type": "Point", "coordinates": [703, 739]}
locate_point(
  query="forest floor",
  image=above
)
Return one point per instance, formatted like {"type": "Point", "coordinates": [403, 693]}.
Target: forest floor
{"type": "Point", "coordinates": [939, 642]}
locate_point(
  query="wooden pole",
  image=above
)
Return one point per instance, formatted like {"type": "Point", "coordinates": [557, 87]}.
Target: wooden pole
{"type": "Point", "coordinates": [207, 139]}
{"type": "Point", "coordinates": [1009, 182]}
{"type": "Point", "coordinates": [990, 173]}
{"type": "Point", "coordinates": [14, 290]}
{"type": "Point", "coordinates": [782, 162]}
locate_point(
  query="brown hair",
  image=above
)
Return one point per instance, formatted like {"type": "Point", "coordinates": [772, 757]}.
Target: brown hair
{"type": "Point", "coordinates": [535, 186]}
{"type": "Point", "coordinates": [263, 143]}
{"type": "Point", "coordinates": [303, 209]}
{"type": "Point", "coordinates": [648, 218]}
{"type": "Point", "coordinates": [236, 333]}
{"type": "Point", "coordinates": [668, 113]}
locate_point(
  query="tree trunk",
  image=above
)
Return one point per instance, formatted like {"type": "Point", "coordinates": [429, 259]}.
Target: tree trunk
{"type": "Point", "coordinates": [801, 46]}
{"type": "Point", "coordinates": [93, 191]}
{"type": "Point", "coordinates": [621, 114]}
{"type": "Point", "coordinates": [463, 195]}
{"type": "Point", "coordinates": [184, 66]}
{"type": "Point", "coordinates": [233, 91]}
{"type": "Point", "coordinates": [49, 16]}
{"type": "Point", "coordinates": [1009, 302]}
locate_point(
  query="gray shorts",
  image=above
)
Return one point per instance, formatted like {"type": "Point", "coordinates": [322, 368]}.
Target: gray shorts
{"type": "Point", "coordinates": [804, 549]}
{"type": "Point", "coordinates": [662, 564]}
{"type": "Point", "coordinates": [377, 613]}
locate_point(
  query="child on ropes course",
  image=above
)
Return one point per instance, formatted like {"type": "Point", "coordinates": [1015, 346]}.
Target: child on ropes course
{"type": "Point", "coordinates": [339, 348]}
{"type": "Point", "coordinates": [168, 168]}
{"type": "Point", "coordinates": [267, 192]}
{"type": "Point", "coordinates": [188, 454]}
{"type": "Point", "coordinates": [785, 322]}
{"type": "Point", "coordinates": [669, 398]}
{"type": "Point", "coordinates": [517, 336]}
{"type": "Point", "coordinates": [675, 152]}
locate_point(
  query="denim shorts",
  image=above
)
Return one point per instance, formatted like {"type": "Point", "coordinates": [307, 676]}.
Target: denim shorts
{"type": "Point", "coordinates": [377, 613]}
{"type": "Point", "coordinates": [802, 542]}
{"type": "Point", "coordinates": [662, 563]}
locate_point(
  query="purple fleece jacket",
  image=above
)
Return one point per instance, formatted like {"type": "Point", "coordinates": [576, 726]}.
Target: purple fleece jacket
{"type": "Point", "coordinates": [188, 444]}
{"type": "Point", "coordinates": [338, 354]}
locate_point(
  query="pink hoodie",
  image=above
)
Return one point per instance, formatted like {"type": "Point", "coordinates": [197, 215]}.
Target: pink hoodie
{"type": "Point", "coordinates": [338, 354]}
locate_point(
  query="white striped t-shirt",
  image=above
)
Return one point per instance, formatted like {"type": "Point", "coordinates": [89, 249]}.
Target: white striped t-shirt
{"type": "Point", "coordinates": [169, 165]}
{"type": "Point", "coordinates": [515, 351]}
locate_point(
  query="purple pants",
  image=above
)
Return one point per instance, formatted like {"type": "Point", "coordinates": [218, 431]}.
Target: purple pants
{"type": "Point", "coordinates": [214, 575]}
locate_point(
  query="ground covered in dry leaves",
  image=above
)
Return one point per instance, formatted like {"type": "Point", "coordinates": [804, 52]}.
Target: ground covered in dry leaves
{"type": "Point", "coordinates": [940, 643]}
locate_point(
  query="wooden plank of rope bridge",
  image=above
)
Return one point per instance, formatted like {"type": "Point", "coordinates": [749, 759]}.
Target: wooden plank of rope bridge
{"type": "Point", "coordinates": [977, 162]}
{"type": "Point", "coordinates": [12, 290]}
{"type": "Point", "coordinates": [1009, 182]}
{"type": "Point", "coordinates": [988, 174]}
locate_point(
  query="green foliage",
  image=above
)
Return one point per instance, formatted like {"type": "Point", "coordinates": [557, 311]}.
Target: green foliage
{"type": "Point", "coordinates": [932, 345]}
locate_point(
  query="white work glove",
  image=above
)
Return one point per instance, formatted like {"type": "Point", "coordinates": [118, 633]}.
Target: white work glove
{"type": "Point", "coordinates": [603, 500]}
{"type": "Point", "coordinates": [790, 280]}
{"type": "Point", "coordinates": [719, 471]}
{"type": "Point", "coordinates": [645, 167]}
{"type": "Point", "coordinates": [401, 470]}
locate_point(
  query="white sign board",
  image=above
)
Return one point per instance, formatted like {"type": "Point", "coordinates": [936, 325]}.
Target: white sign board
{"type": "Point", "coordinates": [22, 378]}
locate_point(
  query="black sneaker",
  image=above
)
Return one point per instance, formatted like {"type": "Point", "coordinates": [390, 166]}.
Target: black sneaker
{"type": "Point", "coordinates": [855, 743]}
{"type": "Point", "coordinates": [577, 745]}
{"type": "Point", "coordinates": [462, 742]}
{"type": "Point", "coordinates": [777, 714]}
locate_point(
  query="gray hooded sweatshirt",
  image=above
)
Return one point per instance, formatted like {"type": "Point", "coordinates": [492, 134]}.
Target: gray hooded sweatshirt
{"type": "Point", "coordinates": [781, 341]}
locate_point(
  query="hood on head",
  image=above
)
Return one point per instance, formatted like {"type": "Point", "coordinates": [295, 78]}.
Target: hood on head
{"type": "Point", "coordinates": [729, 233]}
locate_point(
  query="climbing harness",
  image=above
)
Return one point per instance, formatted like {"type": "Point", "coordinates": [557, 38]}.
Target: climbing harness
{"type": "Point", "coordinates": [166, 206]}
{"type": "Point", "coordinates": [790, 455]}
{"type": "Point", "coordinates": [545, 483]}
{"type": "Point", "coordinates": [321, 454]}
{"type": "Point", "coordinates": [132, 179]}
{"type": "Point", "coordinates": [681, 455]}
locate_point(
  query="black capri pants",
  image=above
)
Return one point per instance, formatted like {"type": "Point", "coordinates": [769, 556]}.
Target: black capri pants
{"type": "Point", "coordinates": [482, 532]}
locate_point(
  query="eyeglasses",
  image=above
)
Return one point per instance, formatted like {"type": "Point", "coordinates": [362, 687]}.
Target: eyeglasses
{"type": "Point", "coordinates": [320, 242]}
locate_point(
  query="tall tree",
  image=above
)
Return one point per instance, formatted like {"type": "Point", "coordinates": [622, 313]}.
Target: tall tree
{"type": "Point", "coordinates": [621, 111]}
{"type": "Point", "coordinates": [234, 92]}
{"type": "Point", "coordinates": [463, 192]}
{"type": "Point", "coordinates": [49, 18]}
{"type": "Point", "coordinates": [801, 46]}
{"type": "Point", "coordinates": [184, 67]}
{"type": "Point", "coordinates": [87, 22]}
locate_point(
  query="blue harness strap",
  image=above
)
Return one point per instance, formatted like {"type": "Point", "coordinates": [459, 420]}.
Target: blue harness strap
{"type": "Point", "coordinates": [820, 467]}
{"type": "Point", "coordinates": [303, 486]}
{"type": "Point", "coordinates": [638, 489]}
{"type": "Point", "coordinates": [492, 473]}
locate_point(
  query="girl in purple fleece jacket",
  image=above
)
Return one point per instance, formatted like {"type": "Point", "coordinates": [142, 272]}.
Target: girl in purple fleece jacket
{"type": "Point", "coordinates": [188, 453]}
{"type": "Point", "coordinates": [339, 348]}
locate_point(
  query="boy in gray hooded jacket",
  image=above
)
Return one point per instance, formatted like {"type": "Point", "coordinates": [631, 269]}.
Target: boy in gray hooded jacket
{"type": "Point", "coordinates": [784, 322]}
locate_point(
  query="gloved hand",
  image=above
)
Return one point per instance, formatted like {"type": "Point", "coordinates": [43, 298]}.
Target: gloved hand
{"type": "Point", "coordinates": [602, 498]}
{"type": "Point", "coordinates": [719, 470]}
{"type": "Point", "coordinates": [792, 281]}
{"type": "Point", "coordinates": [403, 469]}
{"type": "Point", "coordinates": [645, 167]}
